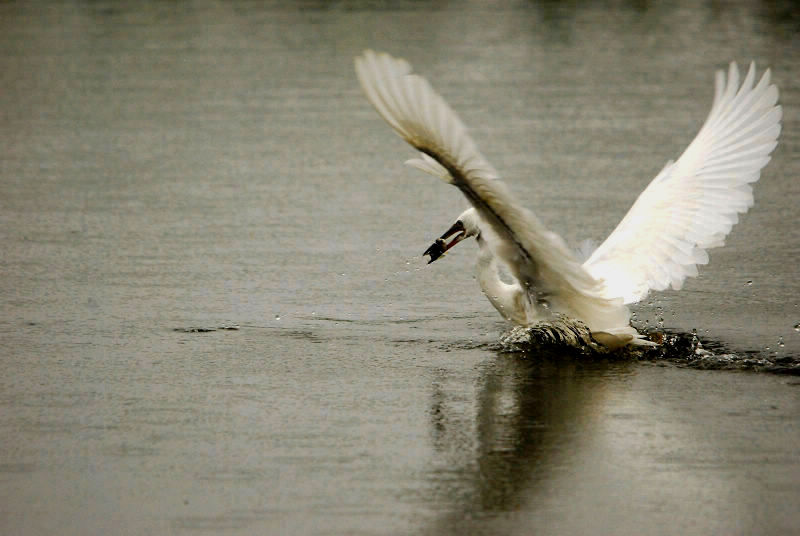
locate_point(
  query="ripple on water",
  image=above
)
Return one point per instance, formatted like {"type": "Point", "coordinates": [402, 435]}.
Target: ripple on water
{"type": "Point", "coordinates": [17, 468]}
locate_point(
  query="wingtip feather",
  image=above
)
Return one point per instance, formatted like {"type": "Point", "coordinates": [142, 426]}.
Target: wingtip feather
{"type": "Point", "coordinates": [697, 199]}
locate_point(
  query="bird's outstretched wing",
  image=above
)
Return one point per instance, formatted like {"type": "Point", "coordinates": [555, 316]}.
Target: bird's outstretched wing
{"type": "Point", "coordinates": [692, 203]}
{"type": "Point", "coordinates": [538, 258]}
{"type": "Point", "coordinates": [422, 118]}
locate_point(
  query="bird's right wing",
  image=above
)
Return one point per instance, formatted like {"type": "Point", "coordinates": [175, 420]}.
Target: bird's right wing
{"type": "Point", "coordinates": [693, 203]}
{"type": "Point", "coordinates": [421, 117]}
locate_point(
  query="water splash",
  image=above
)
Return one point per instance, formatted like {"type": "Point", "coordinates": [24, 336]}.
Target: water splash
{"type": "Point", "coordinates": [681, 349]}
{"type": "Point", "coordinates": [562, 332]}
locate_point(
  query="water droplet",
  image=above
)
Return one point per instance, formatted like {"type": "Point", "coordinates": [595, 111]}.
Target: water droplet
{"type": "Point", "coordinates": [313, 313]}
{"type": "Point", "coordinates": [277, 317]}
{"type": "Point", "coordinates": [766, 348]}
{"type": "Point", "coordinates": [342, 274]}
{"type": "Point", "coordinates": [780, 342]}
{"type": "Point", "coordinates": [749, 282]}
{"type": "Point", "coordinates": [797, 327]}
{"type": "Point", "coordinates": [408, 262]}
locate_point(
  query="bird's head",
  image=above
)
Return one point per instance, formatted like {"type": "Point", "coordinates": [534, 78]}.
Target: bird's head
{"type": "Point", "coordinates": [465, 226]}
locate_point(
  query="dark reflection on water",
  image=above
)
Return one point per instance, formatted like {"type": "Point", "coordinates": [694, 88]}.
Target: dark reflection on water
{"type": "Point", "coordinates": [555, 442]}
{"type": "Point", "coordinates": [529, 409]}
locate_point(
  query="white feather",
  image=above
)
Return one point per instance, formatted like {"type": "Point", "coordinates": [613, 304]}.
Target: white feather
{"type": "Point", "coordinates": [429, 165]}
{"type": "Point", "coordinates": [693, 203]}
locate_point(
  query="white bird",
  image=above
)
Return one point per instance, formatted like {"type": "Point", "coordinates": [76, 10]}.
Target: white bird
{"type": "Point", "coordinates": [688, 208]}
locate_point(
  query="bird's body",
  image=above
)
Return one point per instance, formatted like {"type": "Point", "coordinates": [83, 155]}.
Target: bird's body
{"type": "Point", "coordinates": [688, 208]}
{"type": "Point", "coordinates": [535, 294]}
{"type": "Point", "coordinates": [509, 298]}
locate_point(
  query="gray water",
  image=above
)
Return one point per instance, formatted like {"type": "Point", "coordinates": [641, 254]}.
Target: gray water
{"type": "Point", "coordinates": [168, 166]}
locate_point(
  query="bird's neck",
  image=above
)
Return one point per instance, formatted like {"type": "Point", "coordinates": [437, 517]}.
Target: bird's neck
{"type": "Point", "coordinates": [510, 300]}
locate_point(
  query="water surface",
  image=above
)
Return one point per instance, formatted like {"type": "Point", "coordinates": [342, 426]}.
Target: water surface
{"type": "Point", "coordinates": [212, 164]}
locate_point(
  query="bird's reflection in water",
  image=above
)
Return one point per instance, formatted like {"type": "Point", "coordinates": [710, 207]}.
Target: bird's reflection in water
{"type": "Point", "coordinates": [500, 444]}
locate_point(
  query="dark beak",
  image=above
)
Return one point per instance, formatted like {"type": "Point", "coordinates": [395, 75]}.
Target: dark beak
{"type": "Point", "coordinates": [440, 247]}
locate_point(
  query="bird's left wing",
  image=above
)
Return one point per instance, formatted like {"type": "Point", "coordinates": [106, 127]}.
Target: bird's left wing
{"type": "Point", "coordinates": [693, 203]}
{"type": "Point", "coordinates": [421, 117]}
